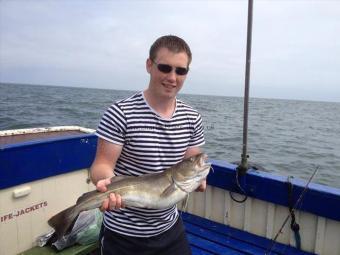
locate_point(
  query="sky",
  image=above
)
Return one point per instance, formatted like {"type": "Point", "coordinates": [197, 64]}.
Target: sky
{"type": "Point", "coordinates": [104, 44]}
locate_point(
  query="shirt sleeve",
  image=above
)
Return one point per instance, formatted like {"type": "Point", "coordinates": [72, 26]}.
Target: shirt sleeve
{"type": "Point", "coordinates": [112, 126]}
{"type": "Point", "coordinates": [197, 138]}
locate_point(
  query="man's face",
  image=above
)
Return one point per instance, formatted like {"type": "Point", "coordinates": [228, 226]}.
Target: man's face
{"type": "Point", "coordinates": [166, 85]}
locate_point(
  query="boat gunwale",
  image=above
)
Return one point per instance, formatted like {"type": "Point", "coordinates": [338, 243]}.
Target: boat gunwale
{"type": "Point", "coordinates": [23, 131]}
{"type": "Point", "coordinates": [319, 199]}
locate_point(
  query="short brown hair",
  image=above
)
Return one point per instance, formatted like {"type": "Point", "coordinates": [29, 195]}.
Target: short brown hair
{"type": "Point", "coordinates": [172, 43]}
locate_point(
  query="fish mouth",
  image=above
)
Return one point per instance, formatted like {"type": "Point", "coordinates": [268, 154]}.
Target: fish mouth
{"type": "Point", "coordinates": [204, 171]}
{"type": "Point", "coordinates": [206, 167]}
{"type": "Point", "coordinates": [203, 165]}
{"type": "Point", "coordinates": [202, 161]}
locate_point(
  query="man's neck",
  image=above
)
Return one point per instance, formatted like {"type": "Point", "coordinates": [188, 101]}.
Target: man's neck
{"type": "Point", "coordinates": [165, 107]}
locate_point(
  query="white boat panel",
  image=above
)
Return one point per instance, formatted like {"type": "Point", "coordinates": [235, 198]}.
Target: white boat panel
{"type": "Point", "coordinates": [270, 220]}
{"type": "Point", "coordinates": [217, 204]}
{"type": "Point", "coordinates": [318, 235]}
{"type": "Point", "coordinates": [247, 215]}
{"type": "Point", "coordinates": [237, 211]}
{"type": "Point", "coordinates": [280, 215]}
{"type": "Point", "coordinates": [331, 244]}
{"type": "Point", "coordinates": [208, 203]}
{"type": "Point", "coordinates": [258, 223]}
{"type": "Point", "coordinates": [199, 204]}
{"type": "Point", "coordinates": [25, 218]}
{"type": "Point", "coordinates": [227, 208]}
{"type": "Point", "coordinates": [308, 227]}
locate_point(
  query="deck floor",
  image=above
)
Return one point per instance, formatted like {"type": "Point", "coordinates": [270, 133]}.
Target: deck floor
{"type": "Point", "coordinates": [205, 237]}
{"type": "Point", "coordinates": [208, 237]}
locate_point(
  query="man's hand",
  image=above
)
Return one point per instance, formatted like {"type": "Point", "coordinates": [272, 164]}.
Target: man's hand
{"type": "Point", "coordinates": [202, 187]}
{"type": "Point", "coordinates": [114, 201]}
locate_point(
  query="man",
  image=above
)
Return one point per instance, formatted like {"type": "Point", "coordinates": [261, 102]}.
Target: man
{"type": "Point", "coordinates": [147, 132]}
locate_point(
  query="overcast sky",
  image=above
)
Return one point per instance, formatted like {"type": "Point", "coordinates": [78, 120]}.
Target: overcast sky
{"type": "Point", "coordinates": [104, 44]}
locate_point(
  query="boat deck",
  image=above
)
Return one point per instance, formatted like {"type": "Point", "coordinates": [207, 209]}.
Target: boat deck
{"type": "Point", "coordinates": [207, 237]}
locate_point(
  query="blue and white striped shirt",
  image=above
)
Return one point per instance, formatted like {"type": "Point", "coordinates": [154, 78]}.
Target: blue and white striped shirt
{"type": "Point", "coordinates": [150, 144]}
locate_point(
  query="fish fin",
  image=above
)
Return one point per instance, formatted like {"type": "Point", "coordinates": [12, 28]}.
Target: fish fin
{"type": "Point", "coordinates": [91, 194]}
{"type": "Point", "coordinates": [119, 177]}
{"type": "Point", "coordinates": [169, 190]}
{"type": "Point", "coordinates": [62, 222]}
{"type": "Point", "coordinates": [86, 196]}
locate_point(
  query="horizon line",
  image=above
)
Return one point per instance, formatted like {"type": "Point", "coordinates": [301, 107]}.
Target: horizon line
{"type": "Point", "coordinates": [180, 93]}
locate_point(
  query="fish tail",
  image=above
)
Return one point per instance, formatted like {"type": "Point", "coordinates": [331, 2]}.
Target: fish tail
{"type": "Point", "coordinates": [63, 221]}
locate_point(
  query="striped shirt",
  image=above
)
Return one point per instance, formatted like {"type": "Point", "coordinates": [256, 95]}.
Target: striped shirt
{"type": "Point", "coordinates": [150, 144]}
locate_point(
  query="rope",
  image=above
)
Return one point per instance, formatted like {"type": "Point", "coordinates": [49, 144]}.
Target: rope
{"type": "Point", "coordinates": [240, 188]}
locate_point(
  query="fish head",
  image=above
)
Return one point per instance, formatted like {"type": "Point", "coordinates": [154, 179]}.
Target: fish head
{"type": "Point", "coordinates": [189, 173]}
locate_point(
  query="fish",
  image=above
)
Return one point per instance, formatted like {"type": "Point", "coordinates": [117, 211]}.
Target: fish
{"type": "Point", "coordinates": [153, 191]}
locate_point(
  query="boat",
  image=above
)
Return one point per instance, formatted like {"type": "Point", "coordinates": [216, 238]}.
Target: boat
{"type": "Point", "coordinates": [44, 170]}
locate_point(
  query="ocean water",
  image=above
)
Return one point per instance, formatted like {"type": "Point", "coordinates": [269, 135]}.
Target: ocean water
{"type": "Point", "coordinates": [287, 137]}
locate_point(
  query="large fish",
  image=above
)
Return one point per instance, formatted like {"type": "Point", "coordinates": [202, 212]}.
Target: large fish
{"type": "Point", "coordinates": [154, 191]}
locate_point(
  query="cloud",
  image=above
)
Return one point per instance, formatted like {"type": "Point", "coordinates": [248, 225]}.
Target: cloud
{"type": "Point", "coordinates": [105, 44]}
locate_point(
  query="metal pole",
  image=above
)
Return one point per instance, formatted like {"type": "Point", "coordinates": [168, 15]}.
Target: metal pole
{"type": "Point", "coordinates": [244, 157]}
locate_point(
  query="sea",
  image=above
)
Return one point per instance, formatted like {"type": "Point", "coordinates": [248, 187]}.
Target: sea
{"type": "Point", "coordinates": [285, 137]}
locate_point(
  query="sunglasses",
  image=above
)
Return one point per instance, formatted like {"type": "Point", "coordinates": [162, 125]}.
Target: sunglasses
{"type": "Point", "coordinates": [164, 68]}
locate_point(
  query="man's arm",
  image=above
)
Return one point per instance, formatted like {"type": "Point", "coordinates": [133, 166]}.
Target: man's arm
{"type": "Point", "coordinates": [102, 170]}
{"type": "Point", "coordinates": [105, 161]}
{"type": "Point", "coordinates": [191, 152]}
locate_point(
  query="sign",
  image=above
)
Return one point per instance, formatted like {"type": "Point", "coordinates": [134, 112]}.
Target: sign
{"type": "Point", "coordinates": [23, 211]}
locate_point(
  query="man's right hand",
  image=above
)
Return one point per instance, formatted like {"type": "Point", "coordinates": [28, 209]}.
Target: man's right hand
{"type": "Point", "coordinates": [114, 201]}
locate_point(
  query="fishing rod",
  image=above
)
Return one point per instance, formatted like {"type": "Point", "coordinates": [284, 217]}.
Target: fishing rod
{"type": "Point", "coordinates": [272, 244]}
